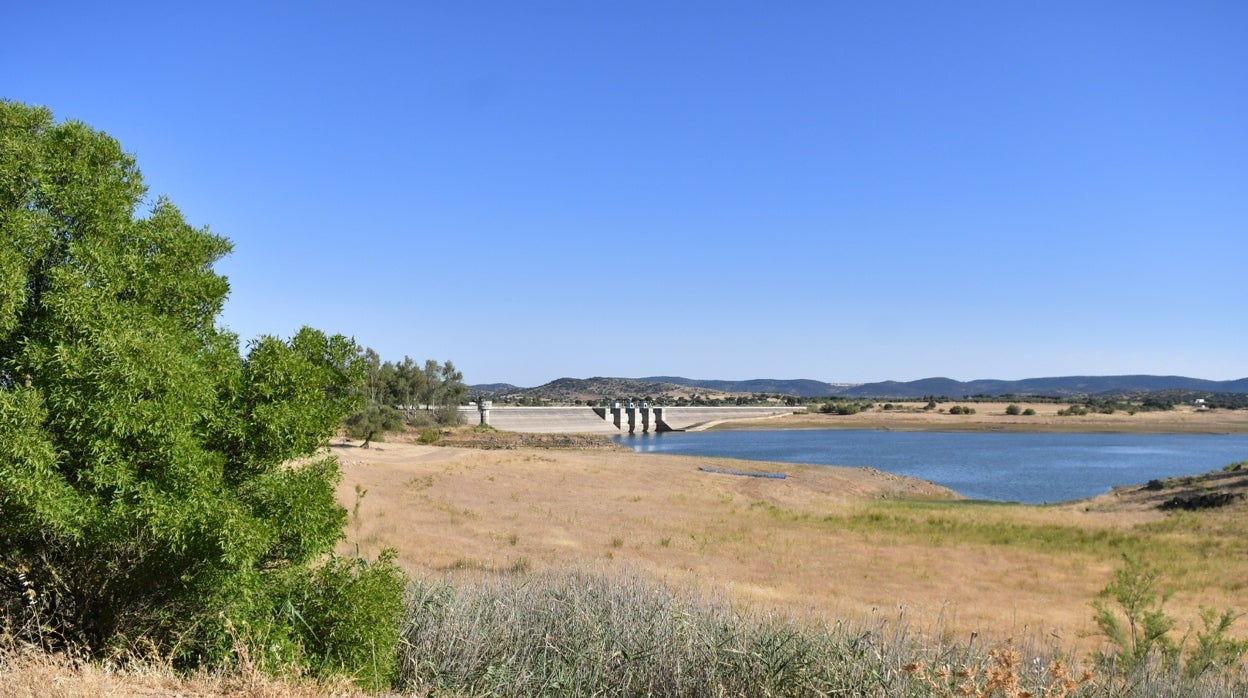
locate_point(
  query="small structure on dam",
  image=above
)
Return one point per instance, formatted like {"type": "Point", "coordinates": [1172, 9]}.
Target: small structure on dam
{"type": "Point", "coordinates": [629, 414]}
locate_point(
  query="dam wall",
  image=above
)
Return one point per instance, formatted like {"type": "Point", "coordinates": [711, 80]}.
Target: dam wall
{"type": "Point", "coordinates": [681, 418]}
{"type": "Point", "coordinates": [600, 420]}
{"type": "Point", "coordinates": [541, 420]}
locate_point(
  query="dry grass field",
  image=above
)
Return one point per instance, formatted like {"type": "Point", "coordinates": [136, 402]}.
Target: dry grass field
{"type": "Point", "coordinates": [846, 543]}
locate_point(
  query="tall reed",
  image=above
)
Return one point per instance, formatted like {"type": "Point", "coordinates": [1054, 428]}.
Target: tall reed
{"type": "Point", "coordinates": [600, 632]}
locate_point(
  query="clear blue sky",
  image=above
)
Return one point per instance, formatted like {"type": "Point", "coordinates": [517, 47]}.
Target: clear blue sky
{"type": "Point", "coordinates": [841, 191]}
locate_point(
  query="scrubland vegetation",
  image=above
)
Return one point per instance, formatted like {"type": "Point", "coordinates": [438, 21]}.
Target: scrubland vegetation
{"type": "Point", "coordinates": [170, 516]}
{"type": "Point", "coordinates": [610, 632]}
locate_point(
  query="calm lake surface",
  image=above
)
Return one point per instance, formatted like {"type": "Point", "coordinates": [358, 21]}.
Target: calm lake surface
{"type": "Point", "coordinates": [1032, 468]}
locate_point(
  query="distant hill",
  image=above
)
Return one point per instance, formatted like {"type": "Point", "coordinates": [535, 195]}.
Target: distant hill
{"type": "Point", "coordinates": [493, 388]}
{"type": "Point", "coordinates": [1062, 386]}
{"type": "Point", "coordinates": [800, 387]}
{"type": "Point", "coordinates": [668, 388]}
{"type": "Point", "coordinates": [574, 390]}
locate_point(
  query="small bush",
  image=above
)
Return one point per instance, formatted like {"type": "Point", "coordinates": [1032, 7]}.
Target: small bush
{"type": "Point", "coordinates": [961, 409]}
{"type": "Point", "coordinates": [429, 435]}
{"type": "Point", "coordinates": [1135, 589]}
{"type": "Point", "coordinates": [1205, 500]}
{"type": "Point", "coordinates": [420, 418]}
{"type": "Point", "coordinates": [1029, 412]}
{"type": "Point", "coordinates": [1013, 410]}
{"type": "Point", "coordinates": [1143, 646]}
{"type": "Point", "coordinates": [447, 415]}
{"type": "Point", "coordinates": [843, 409]}
{"type": "Point", "coordinates": [348, 613]}
{"type": "Point", "coordinates": [374, 420]}
{"type": "Point", "coordinates": [1214, 650]}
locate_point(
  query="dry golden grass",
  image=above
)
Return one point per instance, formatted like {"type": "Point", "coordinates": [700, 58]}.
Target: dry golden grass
{"type": "Point", "coordinates": [836, 541]}
{"type": "Point", "coordinates": [32, 673]}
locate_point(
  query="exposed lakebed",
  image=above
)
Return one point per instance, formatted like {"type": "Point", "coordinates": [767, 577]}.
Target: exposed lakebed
{"type": "Point", "coordinates": [1030, 468]}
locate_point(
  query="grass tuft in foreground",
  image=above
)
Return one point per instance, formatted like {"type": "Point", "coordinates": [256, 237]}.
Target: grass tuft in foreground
{"type": "Point", "coordinates": [612, 633]}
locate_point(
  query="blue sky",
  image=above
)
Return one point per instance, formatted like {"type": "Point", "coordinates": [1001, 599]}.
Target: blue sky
{"type": "Point", "coordinates": [841, 191]}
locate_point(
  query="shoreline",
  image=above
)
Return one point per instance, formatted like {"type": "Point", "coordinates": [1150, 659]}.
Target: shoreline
{"type": "Point", "coordinates": [840, 542]}
{"type": "Point", "coordinates": [991, 417]}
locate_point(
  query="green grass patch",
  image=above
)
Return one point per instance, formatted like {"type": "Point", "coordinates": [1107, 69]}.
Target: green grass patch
{"type": "Point", "coordinates": [1183, 541]}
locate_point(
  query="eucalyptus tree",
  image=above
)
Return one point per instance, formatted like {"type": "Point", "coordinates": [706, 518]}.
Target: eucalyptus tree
{"type": "Point", "coordinates": [155, 482]}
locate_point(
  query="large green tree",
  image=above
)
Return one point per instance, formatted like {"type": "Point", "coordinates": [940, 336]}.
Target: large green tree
{"type": "Point", "coordinates": [155, 482]}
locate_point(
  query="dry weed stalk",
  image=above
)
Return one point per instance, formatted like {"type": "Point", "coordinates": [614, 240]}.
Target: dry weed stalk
{"type": "Point", "coordinates": [28, 670]}
{"type": "Point", "coordinates": [999, 677]}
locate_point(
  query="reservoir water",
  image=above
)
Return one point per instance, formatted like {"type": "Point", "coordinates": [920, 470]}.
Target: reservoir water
{"type": "Point", "coordinates": [1031, 468]}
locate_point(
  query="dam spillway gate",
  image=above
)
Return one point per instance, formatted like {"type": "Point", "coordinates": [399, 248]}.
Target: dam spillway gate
{"type": "Point", "coordinates": [615, 418]}
{"type": "Point", "coordinates": [631, 413]}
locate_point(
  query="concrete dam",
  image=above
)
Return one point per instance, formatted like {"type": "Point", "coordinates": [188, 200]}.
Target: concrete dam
{"type": "Point", "coordinates": [616, 419]}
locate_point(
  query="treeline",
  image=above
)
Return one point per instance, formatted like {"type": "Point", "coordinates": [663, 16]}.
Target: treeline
{"type": "Point", "coordinates": [1226, 401]}
{"type": "Point", "coordinates": [1108, 403]}
{"type": "Point", "coordinates": [406, 393]}
{"type": "Point", "coordinates": [1143, 402]}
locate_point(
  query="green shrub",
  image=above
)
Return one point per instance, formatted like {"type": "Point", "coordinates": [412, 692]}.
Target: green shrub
{"type": "Point", "coordinates": [348, 614]}
{"type": "Point", "coordinates": [1013, 409]}
{"type": "Point", "coordinates": [1144, 642]}
{"type": "Point", "coordinates": [1135, 590]}
{"type": "Point", "coordinates": [447, 415]}
{"type": "Point", "coordinates": [1029, 412]}
{"type": "Point", "coordinates": [843, 409]}
{"type": "Point", "coordinates": [1214, 650]}
{"type": "Point", "coordinates": [373, 422]}
{"type": "Point", "coordinates": [158, 486]}
{"type": "Point", "coordinates": [429, 435]}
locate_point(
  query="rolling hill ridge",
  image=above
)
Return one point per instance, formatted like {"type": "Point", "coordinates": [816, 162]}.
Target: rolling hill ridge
{"type": "Point", "coordinates": [659, 388]}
